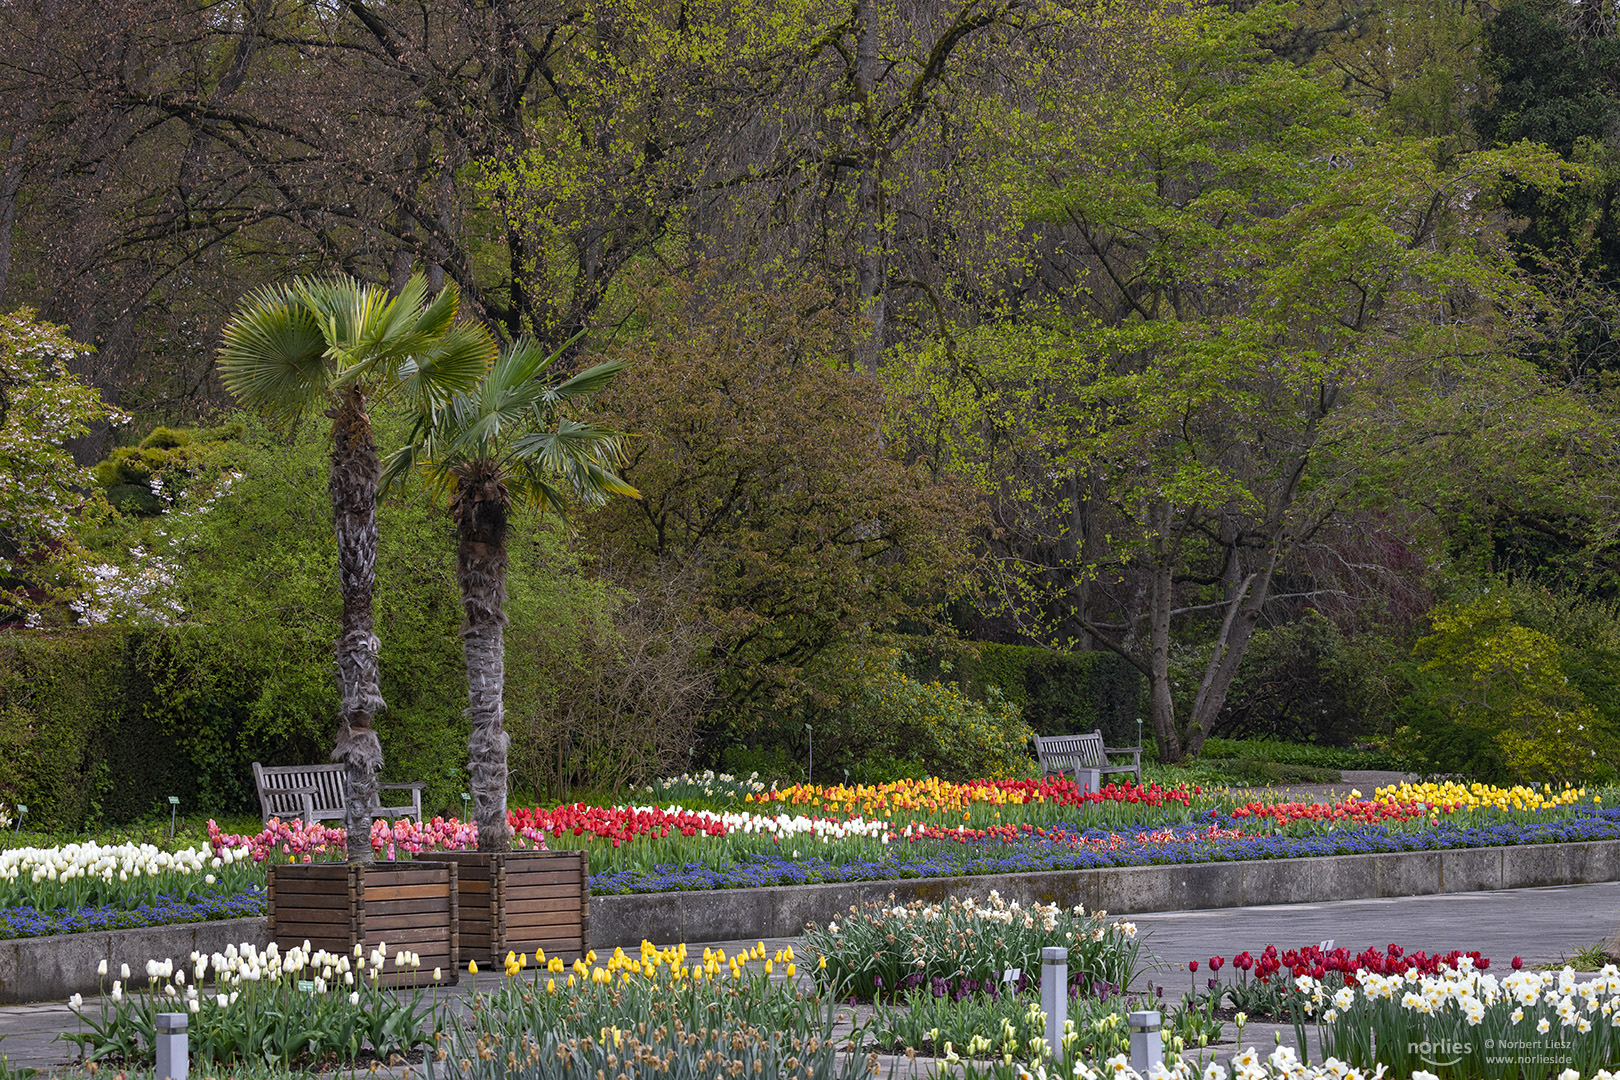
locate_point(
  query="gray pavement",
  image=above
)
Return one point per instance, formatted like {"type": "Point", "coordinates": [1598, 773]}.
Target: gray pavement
{"type": "Point", "coordinates": [1538, 925]}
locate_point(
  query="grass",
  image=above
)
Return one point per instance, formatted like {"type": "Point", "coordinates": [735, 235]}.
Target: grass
{"type": "Point", "coordinates": [1586, 958]}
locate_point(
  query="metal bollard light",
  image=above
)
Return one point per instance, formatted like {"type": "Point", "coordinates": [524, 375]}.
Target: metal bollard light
{"type": "Point", "coordinates": [173, 1054]}
{"type": "Point", "coordinates": [1055, 995]}
{"type": "Point", "coordinates": [1147, 1045]}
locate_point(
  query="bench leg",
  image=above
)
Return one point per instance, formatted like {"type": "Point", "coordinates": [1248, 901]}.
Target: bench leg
{"type": "Point", "coordinates": [1089, 780]}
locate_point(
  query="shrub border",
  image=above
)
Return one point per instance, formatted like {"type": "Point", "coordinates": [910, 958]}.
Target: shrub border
{"type": "Point", "coordinates": [42, 968]}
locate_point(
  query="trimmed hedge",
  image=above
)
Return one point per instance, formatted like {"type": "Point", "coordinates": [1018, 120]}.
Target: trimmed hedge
{"type": "Point", "coordinates": [1060, 693]}
{"type": "Point", "coordinates": [91, 730]}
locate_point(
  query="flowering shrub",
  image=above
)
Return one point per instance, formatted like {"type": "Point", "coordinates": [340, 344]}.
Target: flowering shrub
{"type": "Point", "coordinates": [41, 487]}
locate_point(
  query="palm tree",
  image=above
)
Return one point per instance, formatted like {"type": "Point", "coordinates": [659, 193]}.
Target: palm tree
{"type": "Point", "coordinates": [505, 442]}
{"type": "Point", "coordinates": [331, 343]}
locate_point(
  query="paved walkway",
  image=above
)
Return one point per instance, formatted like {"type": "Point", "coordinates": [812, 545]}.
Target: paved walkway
{"type": "Point", "coordinates": [1539, 925]}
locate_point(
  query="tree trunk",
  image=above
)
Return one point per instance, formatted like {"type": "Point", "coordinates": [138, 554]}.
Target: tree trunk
{"type": "Point", "coordinates": [353, 488]}
{"type": "Point", "coordinates": [480, 512]}
{"type": "Point", "coordinates": [1237, 629]}
{"type": "Point", "coordinates": [1161, 702]}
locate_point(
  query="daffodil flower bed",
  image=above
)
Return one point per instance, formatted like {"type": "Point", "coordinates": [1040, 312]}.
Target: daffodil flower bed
{"type": "Point", "coordinates": [660, 1013]}
{"type": "Point", "coordinates": [303, 1009]}
{"type": "Point", "coordinates": [964, 946]}
{"type": "Point", "coordinates": [286, 1010]}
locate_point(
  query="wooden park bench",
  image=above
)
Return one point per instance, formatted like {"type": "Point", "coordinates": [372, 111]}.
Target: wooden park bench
{"type": "Point", "coordinates": [1085, 757]}
{"type": "Point", "coordinates": [315, 793]}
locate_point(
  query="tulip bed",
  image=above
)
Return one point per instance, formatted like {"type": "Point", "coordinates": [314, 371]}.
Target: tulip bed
{"type": "Point", "coordinates": [754, 835]}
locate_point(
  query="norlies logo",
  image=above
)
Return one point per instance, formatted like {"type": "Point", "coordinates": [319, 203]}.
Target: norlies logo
{"type": "Point", "coordinates": [1441, 1053]}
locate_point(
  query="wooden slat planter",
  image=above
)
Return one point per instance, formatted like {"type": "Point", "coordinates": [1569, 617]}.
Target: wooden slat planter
{"type": "Point", "coordinates": [404, 905]}
{"type": "Point", "coordinates": [520, 901]}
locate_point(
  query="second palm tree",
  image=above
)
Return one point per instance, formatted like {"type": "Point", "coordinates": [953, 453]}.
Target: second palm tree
{"type": "Point", "coordinates": [506, 441]}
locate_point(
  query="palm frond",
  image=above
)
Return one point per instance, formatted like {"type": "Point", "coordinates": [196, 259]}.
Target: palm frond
{"type": "Point", "coordinates": [590, 381]}
{"type": "Point", "coordinates": [397, 468]}
{"type": "Point", "coordinates": [273, 356]}
{"type": "Point", "coordinates": [426, 324]}
{"type": "Point", "coordinates": [452, 361]}
{"type": "Point", "coordinates": [347, 310]}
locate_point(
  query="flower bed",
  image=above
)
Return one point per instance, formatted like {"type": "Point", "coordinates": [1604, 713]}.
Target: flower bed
{"type": "Point", "coordinates": [1077, 849]}
{"type": "Point", "coordinates": [25, 921]}
{"type": "Point", "coordinates": [718, 1017]}
{"type": "Point", "coordinates": [805, 835]}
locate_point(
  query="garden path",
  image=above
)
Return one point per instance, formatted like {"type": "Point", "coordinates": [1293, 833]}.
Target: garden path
{"type": "Point", "coordinates": [1365, 781]}
{"type": "Point", "coordinates": [1539, 925]}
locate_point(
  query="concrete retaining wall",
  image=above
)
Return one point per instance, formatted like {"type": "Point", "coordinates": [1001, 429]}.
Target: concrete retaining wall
{"type": "Point", "coordinates": [735, 914]}
{"type": "Point", "coordinates": [51, 968]}
{"type": "Point", "coordinates": [34, 969]}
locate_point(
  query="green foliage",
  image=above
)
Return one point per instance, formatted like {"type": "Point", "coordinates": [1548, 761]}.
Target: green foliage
{"type": "Point", "coordinates": [1555, 84]}
{"type": "Point", "coordinates": [1303, 680]}
{"type": "Point", "coordinates": [1256, 771]}
{"type": "Point", "coordinates": [1060, 693]}
{"type": "Point", "coordinates": [142, 480]}
{"type": "Point", "coordinates": [769, 489]}
{"type": "Point", "coordinates": [1537, 670]}
{"type": "Point", "coordinates": [896, 725]}
{"type": "Point", "coordinates": [1428, 741]}
{"type": "Point", "coordinates": [112, 720]}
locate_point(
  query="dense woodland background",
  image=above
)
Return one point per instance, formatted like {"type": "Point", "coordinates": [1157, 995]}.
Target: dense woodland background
{"type": "Point", "coordinates": [1248, 368]}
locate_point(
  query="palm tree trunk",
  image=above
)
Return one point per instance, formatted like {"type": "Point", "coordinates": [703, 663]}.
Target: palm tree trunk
{"type": "Point", "coordinates": [480, 511]}
{"type": "Point", "coordinates": [355, 471]}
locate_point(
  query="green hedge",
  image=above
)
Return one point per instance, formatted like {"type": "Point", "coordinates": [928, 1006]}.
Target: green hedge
{"type": "Point", "coordinates": [1060, 693]}
{"type": "Point", "coordinates": [101, 726]}
{"type": "Point", "coordinates": [1312, 755]}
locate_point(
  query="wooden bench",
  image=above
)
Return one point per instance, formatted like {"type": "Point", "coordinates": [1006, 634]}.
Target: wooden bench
{"type": "Point", "coordinates": [1085, 757]}
{"type": "Point", "coordinates": [315, 793]}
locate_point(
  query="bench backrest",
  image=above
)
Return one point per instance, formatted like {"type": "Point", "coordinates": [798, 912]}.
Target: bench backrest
{"type": "Point", "coordinates": [1064, 753]}
{"type": "Point", "coordinates": [277, 784]}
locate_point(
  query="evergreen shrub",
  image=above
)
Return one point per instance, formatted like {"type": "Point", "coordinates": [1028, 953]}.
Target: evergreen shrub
{"type": "Point", "coordinates": [1059, 693]}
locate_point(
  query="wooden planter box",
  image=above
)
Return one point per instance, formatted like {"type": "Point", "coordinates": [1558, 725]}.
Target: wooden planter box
{"type": "Point", "coordinates": [403, 905]}
{"type": "Point", "coordinates": [520, 901]}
